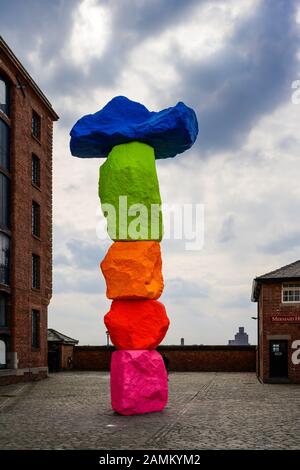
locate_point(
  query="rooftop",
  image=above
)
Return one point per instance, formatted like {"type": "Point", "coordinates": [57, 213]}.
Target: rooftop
{"type": "Point", "coordinates": [290, 271]}
{"type": "Point", "coordinates": [25, 75]}
{"type": "Point", "coordinates": [57, 337]}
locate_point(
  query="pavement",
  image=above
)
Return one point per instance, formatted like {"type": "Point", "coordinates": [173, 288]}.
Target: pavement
{"type": "Point", "coordinates": [205, 411]}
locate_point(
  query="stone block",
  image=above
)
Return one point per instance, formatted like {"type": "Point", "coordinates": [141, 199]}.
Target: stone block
{"type": "Point", "coordinates": [138, 382]}
{"type": "Point", "coordinates": [169, 131]}
{"type": "Point", "coordinates": [129, 193]}
{"type": "Point", "coordinates": [136, 324]}
{"type": "Point", "coordinates": [133, 270]}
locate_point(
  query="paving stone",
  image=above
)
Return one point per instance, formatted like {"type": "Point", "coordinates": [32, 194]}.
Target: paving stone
{"type": "Point", "coordinates": [205, 410]}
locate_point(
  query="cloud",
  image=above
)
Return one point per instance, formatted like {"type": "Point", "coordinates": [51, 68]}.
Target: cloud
{"type": "Point", "coordinates": [233, 62]}
{"type": "Point", "coordinates": [283, 244]}
{"type": "Point", "coordinates": [85, 254]}
{"type": "Point", "coordinates": [72, 281]}
{"type": "Point", "coordinates": [181, 288]}
{"type": "Point", "coordinates": [248, 78]}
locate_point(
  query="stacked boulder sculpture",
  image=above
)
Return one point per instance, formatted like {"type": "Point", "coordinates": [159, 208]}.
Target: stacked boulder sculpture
{"type": "Point", "coordinates": [131, 138]}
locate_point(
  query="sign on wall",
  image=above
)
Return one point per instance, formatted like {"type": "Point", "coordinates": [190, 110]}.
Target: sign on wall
{"type": "Point", "coordinates": [286, 318]}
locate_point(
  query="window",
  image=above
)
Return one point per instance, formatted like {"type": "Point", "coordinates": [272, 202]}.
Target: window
{"type": "Point", "coordinates": [35, 328]}
{"type": "Point", "coordinates": [36, 125]}
{"type": "Point", "coordinates": [4, 201]}
{"type": "Point", "coordinates": [4, 96]}
{"type": "Point", "coordinates": [4, 258]}
{"type": "Point", "coordinates": [2, 354]}
{"type": "Point", "coordinates": [291, 292]}
{"type": "Point", "coordinates": [35, 170]}
{"type": "Point", "coordinates": [35, 218]}
{"type": "Point", "coordinates": [35, 271]}
{"type": "Point", "coordinates": [3, 310]}
{"type": "Point", "coordinates": [4, 145]}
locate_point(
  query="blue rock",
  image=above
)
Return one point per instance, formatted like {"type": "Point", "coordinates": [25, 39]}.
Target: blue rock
{"type": "Point", "coordinates": [169, 132]}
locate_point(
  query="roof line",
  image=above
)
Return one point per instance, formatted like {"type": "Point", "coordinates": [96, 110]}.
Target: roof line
{"type": "Point", "coordinates": [276, 270]}
{"type": "Point", "coordinates": [33, 84]}
{"type": "Point", "coordinates": [63, 335]}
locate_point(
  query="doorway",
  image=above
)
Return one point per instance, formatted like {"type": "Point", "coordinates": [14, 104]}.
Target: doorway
{"type": "Point", "coordinates": [279, 358]}
{"type": "Point", "coordinates": [54, 358]}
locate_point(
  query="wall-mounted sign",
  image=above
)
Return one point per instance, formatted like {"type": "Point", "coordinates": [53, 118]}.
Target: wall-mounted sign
{"type": "Point", "coordinates": [286, 318]}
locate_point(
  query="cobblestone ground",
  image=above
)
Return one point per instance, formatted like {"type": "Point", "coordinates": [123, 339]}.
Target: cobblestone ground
{"type": "Point", "coordinates": [205, 411]}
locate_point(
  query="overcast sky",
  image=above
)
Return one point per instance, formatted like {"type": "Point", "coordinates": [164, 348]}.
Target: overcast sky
{"type": "Point", "coordinates": [234, 62]}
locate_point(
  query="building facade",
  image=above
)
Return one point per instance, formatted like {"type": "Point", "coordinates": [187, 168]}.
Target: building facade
{"type": "Point", "coordinates": [240, 338]}
{"type": "Point", "coordinates": [278, 314]}
{"type": "Point", "coordinates": [26, 123]}
{"type": "Point", "coordinates": [60, 351]}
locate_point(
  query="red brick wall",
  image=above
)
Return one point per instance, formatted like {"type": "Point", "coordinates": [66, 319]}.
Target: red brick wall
{"type": "Point", "coordinates": [23, 244]}
{"type": "Point", "coordinates": [92, 357]}
{"type": "Point", "coordinates": [270, 304]}
{"type": "Point", "coordinates": [181, 358]}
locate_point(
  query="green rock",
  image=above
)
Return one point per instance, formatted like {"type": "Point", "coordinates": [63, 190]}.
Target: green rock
{"type": "Point", "coordinates": [129, 193]}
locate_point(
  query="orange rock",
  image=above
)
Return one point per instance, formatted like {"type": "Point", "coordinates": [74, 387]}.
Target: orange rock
{"type": "Point", "coordinates": [136, 324]}
{"type": "Point", "coordinates": [132, 270]}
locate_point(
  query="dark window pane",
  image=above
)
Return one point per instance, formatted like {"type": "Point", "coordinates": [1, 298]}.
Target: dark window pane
{"type": "Point", "coordinates": [3, 310]}
{"type": "Point", "coordinates": [4, 96]}
{"type": "Point", "coordinates": [35, 219]}
{"type": "Point", "coordinates": [4, 145]}
{"type": "Point", "coordinates": [4, 200]}
{"type": "Point", "coordinates": [4, 258]}
{"type": "Point", "coordinates": [35, 327]}
{"type": "Point", "coordinates": [36, 125]}
{"type": "Point", "coordinates": [35, 271]}
{"type": "Point", "coordinates": [35, 170]}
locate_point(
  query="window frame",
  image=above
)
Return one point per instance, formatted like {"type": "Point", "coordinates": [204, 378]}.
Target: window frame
{"type": "Point", "coordinates": [6, 266]}
{"type": "Point", "coordinates": [35, 170]}
{"type": "Point", "coordinates": [290, 287]}
{"type": "Point", "coordinates": [6, 110]}
{"type": "Point", "coordinates": [6, 161]}
{"type": "Point", "coordinates": [35, 271]}
{"type": "Point", "coordinates": [36, 125]}
{"type": "Point", "coordinates": [4, 297]}
{"type": "Point", "coordinates": [35, 219]}
{"type": "Point", "coordinates": [4, 366]}
{"type": "Point", "coordinates": [4, 201]}
{"type": "Point", "coordinates": [35, 328]}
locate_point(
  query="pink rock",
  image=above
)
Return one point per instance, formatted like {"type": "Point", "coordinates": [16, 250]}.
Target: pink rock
{"type": "Point", "coordinates": [138, 382]}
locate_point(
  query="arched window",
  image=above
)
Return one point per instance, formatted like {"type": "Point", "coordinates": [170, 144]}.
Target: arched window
{"type": "Point", "coordinates": [2, 354]}
{"type": "Point", "coordinates": [4, 96]}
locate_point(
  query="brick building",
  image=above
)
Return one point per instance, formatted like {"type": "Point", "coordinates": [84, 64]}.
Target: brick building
{"type": "Point", "coordinates": [26, 122]}
{"type": "Point", "coordinates": [278, 296]}
{"type": "Point", "coordinates": [60, 351]}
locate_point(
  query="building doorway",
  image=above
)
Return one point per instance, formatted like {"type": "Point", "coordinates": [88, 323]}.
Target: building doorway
{"type": "Point", "coordinates": [279, 359]}
{"type": "Point", "coordinates": [54, 359]}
